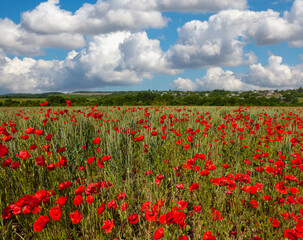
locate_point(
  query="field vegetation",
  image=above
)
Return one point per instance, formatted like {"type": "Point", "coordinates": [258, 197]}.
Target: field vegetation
{"type": "Point", "coordinates": [151, 173]}
{"type": "Point", "coordinates": [159, 98]}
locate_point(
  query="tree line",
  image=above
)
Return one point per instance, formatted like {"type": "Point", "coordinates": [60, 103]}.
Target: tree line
{"type": "Point", "coordinates": [168, 98]}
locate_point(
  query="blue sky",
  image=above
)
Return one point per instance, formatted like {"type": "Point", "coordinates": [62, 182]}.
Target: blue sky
{"type": "Point", "coordinates": [113, 45]}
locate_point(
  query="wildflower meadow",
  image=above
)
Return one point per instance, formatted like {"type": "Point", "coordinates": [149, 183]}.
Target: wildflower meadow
{"type": "Point", "coordinates": [151, 173]}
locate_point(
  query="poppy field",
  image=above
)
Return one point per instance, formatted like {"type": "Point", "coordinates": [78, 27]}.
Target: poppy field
{"type": "Point", "coordinates": [151, 173]}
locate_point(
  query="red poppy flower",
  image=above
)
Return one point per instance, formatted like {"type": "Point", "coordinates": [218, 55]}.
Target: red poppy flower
{"type": "Point", "coordinates": [194, 186]}
{"type": "Point", "coordinates": [61, 201]}
{"type": "Point", "coordinates": [225, 166]}
{"type": "Point", "coordinates": [246, 161]}
{"type": "Point", "coordinates": [216, 214]}
{"type": "Point", "coordinates": [14, 130]}
{"type": "Point", "coordinates": [299, 227]}
{"type": "Point", "coordinates": [158, 181]}
{"type": "Point", "coordinates": [38, 132]}
{"type": "Point", "coordinates": [44, 104]}
{"type": "Point", "coordinates": [45, 148]}
{"type": "Point", "coordinates": [24, 154]}
{"type": "Point", "coordinates": [124, 206]}
{"type": "Point", "coordinates": [159, 233]}
{"type": "Point", "coordinates": [267, 198]}
{"type": "Point", "coordinates": [55, 213]}
{"type": "Point", "coordinates": [294, 190]}
{"type": "Point", "coordinates": [180, 186]}
{"type": "Point", "coordinates": [269, 169]}
{"type": "Point", "coordinates": [121, 196]}
{"type": "Point", "coordinates": [178, 218]}
{"type": "Point", "coordinates": [6, 138]}
{"type": "Point", "coordinates": [44, 121]}
{"type": "Point", "coordinates": [256, 238]}
{"type": "Point", "coordinates": [90, 160]}
{"type": "Point", "coordinates": [146, 206]}
{"type": "Point", "coordinates": [197, 208]}
{"type": "Point", "coordinates": [76, 217]}
{"type": "Point", "coordinates": [40, 161]}
{"type": "Point", "coordinates": [140, 138]}
{"type": "Point", "coordinates": [33, 147]}
{"type": "Point", "coordinates": [41, 195]}
{"type": "Point", "coordinates": [112, 204]}
{"type": "Point", "coordinates": [6, 162]}
{"type": "Point", "coordinates": [78, 200]}
{"type": "Point", "coordinates": [204, 172]}
{"type": "Point", "coordinates": [101, 208]}
{"type": "Point", "coordinates": [60, 150]}
{"type": "Point", "coordinates": [208, 236]}
{"type": "Point", "coordinates": [148, 172]}
{"type": "Point", "coordinates": [14, 165]}
{"type": "Point", "coordinates": [97, 140]}
{"type": "Point", "coordinates": [80, 190]}
{"type": "Point", "coordinates": [158, 205]}
{"type": "Point", "coordinates": [281, 188]}
{"type": "Point", "coordinates": [212, 167]}
{"type": "Point", "coordinates": [100, 164]}
{"type": "Point", "coordinates": [51, 167]}
{"type": "Point", "coordinates": [133, 218]}
{"type": "Point", "coordinates": [7, 211]}
{"type": "Point", "coordinates": [16, 210]}
{"type": "Point", "coordinates": [65, 185]}
{"type": "Point", "coordinates": [41, 223]}
{"type": "Point", "coordinates": [154, 133]}
{"type": "Point", "coordinates": [274, 222]}
{"type": "Point", "coordinates": [254, 203]}
{"type": "Point", "coordinates": [29, 130]}
{"type": "Point", "coordinates": [183, 237]}
{"type": "Point", "coordinates": [49, 137]}
{"type": "Point", "coordinates": [108, 225]}
{"type": "Point", "coordinates": [182, 204]}
{"type": "Point", "coordinates": [162, 219]}
{"type": "Point", "coordinates": [290, 234]}
{"type": "Point", "coordinates": [69, 103]}
{"type": "Point", "coordinates": [24, 137]}
{"type": "Point", "coordinates": [105, 158]}
{"type": "Point", "coordinates": [90, 199]}
{"type": "Point", "coordinates": [151, 215]}
{"type": "Point", "coordinates": [280, 200]}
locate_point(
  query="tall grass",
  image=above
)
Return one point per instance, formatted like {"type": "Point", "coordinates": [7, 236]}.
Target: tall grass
{"type": "Point", "coordinates": [218, 138]}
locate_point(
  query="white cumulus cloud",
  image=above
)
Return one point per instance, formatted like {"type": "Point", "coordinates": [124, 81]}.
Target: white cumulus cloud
{"type": "Point", "coordinates": [200, 5]}
{"type": "Point", "coordinates": [120, 58]}
{"type": "Point", "coordinates": [220, 40]}
{"type": "Point", "coordinates": [115, 15]}
{"type": "Point", "coordinates": [101, 17]}
{"type": "Point", "coordinates": [184, 84]}
{"type": "Point", "coordinates": [110, 47]}
{"type": "Point", "coordinates": [18, 41]}
{"type": "Point", "coordinates": [275, 75]}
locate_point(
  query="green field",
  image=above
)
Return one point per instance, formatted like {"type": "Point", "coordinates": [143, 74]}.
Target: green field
{"type": "Point", "coordinates": [23, 99]}
{"type": "Point", "coordinates": [151, 172]}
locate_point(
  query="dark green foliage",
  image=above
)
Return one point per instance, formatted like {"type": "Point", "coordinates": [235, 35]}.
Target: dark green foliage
{"type": "Point", "coordinates": [55, 100]}
{"type": "Point", "coordinates": [163, 98]}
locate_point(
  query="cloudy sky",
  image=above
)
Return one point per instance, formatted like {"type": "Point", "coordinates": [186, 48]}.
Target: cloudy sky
{"type": "Point", "coordinates": [113, 45]}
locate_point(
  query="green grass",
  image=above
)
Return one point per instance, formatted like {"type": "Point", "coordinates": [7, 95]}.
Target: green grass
{"type": "Point", "coordinates": [22, 99]}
